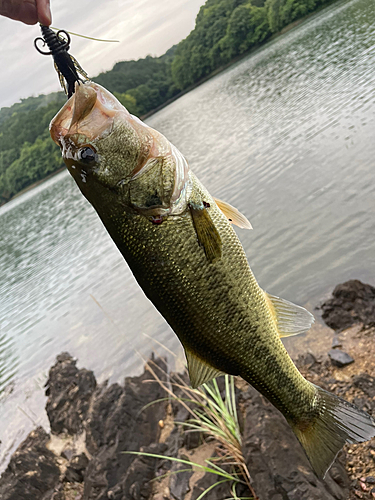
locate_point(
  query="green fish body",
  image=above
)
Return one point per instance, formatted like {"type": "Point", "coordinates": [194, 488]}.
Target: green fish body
{"type": "Point", "coordinates": [182, 249]}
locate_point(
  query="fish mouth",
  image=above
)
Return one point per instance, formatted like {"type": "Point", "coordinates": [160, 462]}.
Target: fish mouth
{"type": "Point", "coordinates": [90, 112]}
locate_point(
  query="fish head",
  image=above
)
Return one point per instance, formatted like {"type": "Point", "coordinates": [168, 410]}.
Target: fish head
{"type": "Point", "coordinates": [112, 155]}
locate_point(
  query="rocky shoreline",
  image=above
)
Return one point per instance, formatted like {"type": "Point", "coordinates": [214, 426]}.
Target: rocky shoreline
{"type": "Point", "coordinates": [91, 426]}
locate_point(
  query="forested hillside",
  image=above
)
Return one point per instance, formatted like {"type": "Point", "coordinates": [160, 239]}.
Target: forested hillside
{"type": "Point", "coordinates": [224, 30]}
{"type": "Point", "coordinates": [227, 28]}
{"type": "Point", "coordinates": [141, 85]}
{"type": "Point", "coordinates": [27, 153]}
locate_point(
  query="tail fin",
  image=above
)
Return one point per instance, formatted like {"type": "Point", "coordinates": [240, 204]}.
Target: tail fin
{"type": "Point", "coordinates": [339, 422]}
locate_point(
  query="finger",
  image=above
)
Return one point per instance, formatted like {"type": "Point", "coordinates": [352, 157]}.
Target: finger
{"type": "Point", "coordinates": [20, 10]}
{"type": "Point", "coordinates": [44, 12]}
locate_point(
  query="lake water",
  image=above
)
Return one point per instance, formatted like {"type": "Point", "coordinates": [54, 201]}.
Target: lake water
{"type": "Point", "coordinates": [286, 135]}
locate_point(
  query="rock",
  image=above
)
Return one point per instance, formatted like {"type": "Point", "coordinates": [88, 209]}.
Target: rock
{"type": "Point", "coordinates": [32, 473]}
{"type": "Point", "coordinates": [79, 462]}
{"type": "Point", "coordinates": [174, 442]}
{"type": "Point", "coordinates": [69, 391]}
{"type": "Point", "coordinates": [135, 484]}
{"type": "Point", "coordinates": [366, 383]}
{"type": "Point", "coordinates": [179, 481]}
{"type": "Point", "coordinates": [352, 302]}
{"type": "Point", "coordinates": [308, 360]}
{"type": "Point", "coordinates": [67, 453]}
{"type": "Point", "coordinates": [117, 419]}
{"type": "Point", "coordinates": [277, 463]}
{"type": "Point", "coordinates": [336, 343]}
{"type": "Point", "coordinates": [192, 440]}
{"type": "Point", "coordinates": [75, 471]}
{"type": "Point", "coordinates": [117, 422]}
{"type": "Point", "coordinates": [217, 492]}
{"type": "Point", "coordinates": [72, 476]}
{"type": "Point", "coordinates": [340, 358]}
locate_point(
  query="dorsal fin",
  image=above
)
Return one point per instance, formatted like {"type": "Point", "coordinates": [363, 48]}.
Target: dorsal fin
{"type": "Point", "coordinates": [208, 235]}
{"type": "Point", "coordinates": [233, 215]}
{"type": "Point", "coordinates": [290, 319]}
{"type": "Point", "coordinates": [200, 371]}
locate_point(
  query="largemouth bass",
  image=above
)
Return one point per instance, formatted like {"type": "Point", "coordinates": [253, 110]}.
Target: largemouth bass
{"type": "Point", "coordinates": [182, 249]}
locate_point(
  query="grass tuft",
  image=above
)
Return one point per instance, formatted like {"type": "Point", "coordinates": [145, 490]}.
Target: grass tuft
{"type": "Point", "coordinates": [215, 416]}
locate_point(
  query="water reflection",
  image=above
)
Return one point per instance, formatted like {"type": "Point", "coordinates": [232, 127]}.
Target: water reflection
{"type": "Point", "coordinates": [286, 135]}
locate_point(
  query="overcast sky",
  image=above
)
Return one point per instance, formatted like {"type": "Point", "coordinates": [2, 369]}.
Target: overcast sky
{"type": "Point", "coordinates": [143, 27]}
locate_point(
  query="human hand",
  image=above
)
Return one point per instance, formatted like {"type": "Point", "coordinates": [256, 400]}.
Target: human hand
{"type": "Point", "coordinates": [27, 11]}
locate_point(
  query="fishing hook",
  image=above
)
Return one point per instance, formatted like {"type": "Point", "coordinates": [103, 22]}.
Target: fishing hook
{"type": "Point", "coordinates": [66, 66]}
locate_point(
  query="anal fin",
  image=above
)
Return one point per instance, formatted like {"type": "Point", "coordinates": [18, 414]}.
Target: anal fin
{"type": "Point", "coordinates": [207, 234]}
{"type": "Point", "coordinates": [233, 215]}
{"type": "Point", "coordinates": [290, 319]}
{"type": "Point", "coordinates": [200, 372]}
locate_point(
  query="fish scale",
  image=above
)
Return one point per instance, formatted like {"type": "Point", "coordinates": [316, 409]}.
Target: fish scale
{"type": "Point", "coordinates": [188, 292]}
{"type": "Point", "coordinates": [185, 255]}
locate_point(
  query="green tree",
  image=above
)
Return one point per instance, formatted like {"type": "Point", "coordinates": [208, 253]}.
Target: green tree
{"type": "Point", "coordinates": [248, 26]}
{"type": "Point", "coordinates": [181, 70]}
{"type": "Point", "coordinates": [36, 161]}
{"type": "Point", "coordinates": [273, 8]}
{"type": "Point", "coordinates": [283, 12]}
{"type": "Point", "coordinates": [128, 101]}
{"type": "Point", "coordinates": [7, 157]}
{"type": "Point", "coordinates": [294, 9]}
{"type": "Point", "coordinates": [27, 152]}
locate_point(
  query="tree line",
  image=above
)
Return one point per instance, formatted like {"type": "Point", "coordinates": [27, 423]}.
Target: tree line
{"type": "Point", "coordinates": [224, 29]}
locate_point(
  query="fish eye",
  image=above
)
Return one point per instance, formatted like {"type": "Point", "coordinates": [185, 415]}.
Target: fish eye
{"type": "Point", "coordinates": [87, 154]}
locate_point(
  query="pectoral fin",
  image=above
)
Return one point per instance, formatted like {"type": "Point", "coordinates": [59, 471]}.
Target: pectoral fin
{"type": "Point", "coordinates": [200, 372]}
{"type": "Point", "coordinates": [290, 319]}
{"type": "Point", "coordinates": [208, 235]}
{"type": "Point", "coordinates": [233, 215]}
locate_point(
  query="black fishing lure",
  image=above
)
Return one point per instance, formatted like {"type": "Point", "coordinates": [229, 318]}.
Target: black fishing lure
{"type": "Point", "coordinates": [66, 66]}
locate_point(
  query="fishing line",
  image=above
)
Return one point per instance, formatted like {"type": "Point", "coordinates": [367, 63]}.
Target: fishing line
{"type": "Point", "coordinates": [84, 36]}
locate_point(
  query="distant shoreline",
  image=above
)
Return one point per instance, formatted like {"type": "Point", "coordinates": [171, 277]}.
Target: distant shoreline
{"type": "Point", "coordinates": [287, 28]}
{"type": "Point", "coordinates": [33, 185]}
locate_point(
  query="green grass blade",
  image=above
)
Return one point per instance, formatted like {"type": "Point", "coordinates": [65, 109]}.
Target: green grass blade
{"type": "Point", "coordinates": [234, 493]}
{"type": "Point", "coordinates": [239, 498]}
{"type": "Point", "coordinates": [228, 395]}
{"type": "Point", "coordinates": [153, 403]}
{"type": "Point", "coordinates": [210, 488]}
{"type": "Point", "coordinates": [222, 473]}
{"type": "Point", "coordinates": [234, 400]}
